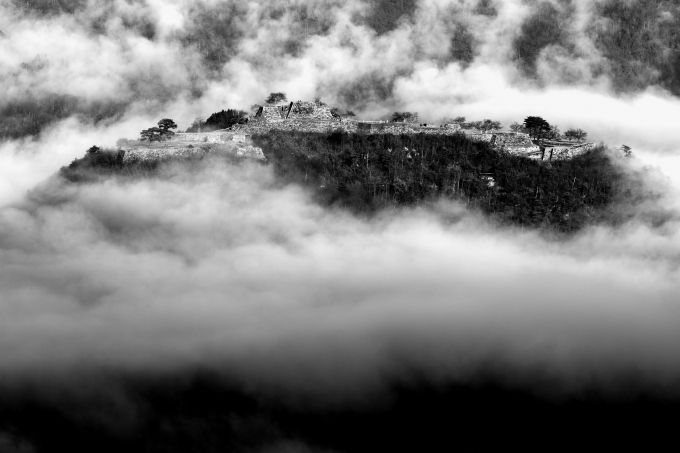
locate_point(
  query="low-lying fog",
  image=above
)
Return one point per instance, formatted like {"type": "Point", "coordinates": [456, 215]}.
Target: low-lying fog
{"type": "Point", "coordinates": [223, 267]}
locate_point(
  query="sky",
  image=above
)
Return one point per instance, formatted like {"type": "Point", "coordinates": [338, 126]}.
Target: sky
{"type": "Point", "coordinates": [221, 266]}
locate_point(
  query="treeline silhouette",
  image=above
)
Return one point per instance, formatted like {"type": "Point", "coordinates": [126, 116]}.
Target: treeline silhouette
{"type": "Point", "coordinates": [366, 173]}
{"type": "Point", "coordinates": [99, 162]}
{"type": "Point", "coordinates": [640, 40]}
{"type": "Point", "coordinates": [29, 116]}
{"type": "Point", "coordinates": [219, 120]}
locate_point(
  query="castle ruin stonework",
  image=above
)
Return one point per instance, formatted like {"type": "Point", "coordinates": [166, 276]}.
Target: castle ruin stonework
{"type": "Point", "coordinates": [317, 117]}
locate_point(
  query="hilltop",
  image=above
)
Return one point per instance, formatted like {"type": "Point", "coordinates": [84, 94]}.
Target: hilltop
{"type": "Point", "coordinates": [531, 176]}
{"type": "Point", "coordinates": [237, 134]}
{"type": "Point", "coordinates": [369, 166]}
{"type": "Point", "coordinates": [318, 117]}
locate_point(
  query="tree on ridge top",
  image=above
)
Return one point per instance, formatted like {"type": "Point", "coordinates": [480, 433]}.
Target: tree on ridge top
{"type": "Point", "coordinates": [538, 127]}
{"type": "Point", "coordinates": [160, 133]}
{"type": "Point", "coordinates": [405, 117]}
{"type": "Point", "coordinates": [166, 124]}
{"type": "Point", "coordinates": [576, 134]}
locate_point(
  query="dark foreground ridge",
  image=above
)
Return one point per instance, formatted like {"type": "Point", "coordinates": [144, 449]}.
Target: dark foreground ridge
{"type": "Point", "coordinates": [368, 173]}
{"type": "Point", "coordinates": [207, 412]}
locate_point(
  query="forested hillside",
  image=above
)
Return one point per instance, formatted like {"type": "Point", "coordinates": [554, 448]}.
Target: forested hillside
{"type": "Point", "coordinates": [368, 172]}
{"type": "Point", "coordinates": [640, 40]}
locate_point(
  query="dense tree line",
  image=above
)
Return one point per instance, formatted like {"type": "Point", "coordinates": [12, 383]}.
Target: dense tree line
{"type": "Point", "coordinates": [30, 115]}
{"type": "Point", "coordinates": [101, 163]}
{"type": "Point", "coordinates": [223, 119]}
{"type": "Point", "coordinates": [368, 172]}
{"type": "Point", "coordinates": [641, 41]}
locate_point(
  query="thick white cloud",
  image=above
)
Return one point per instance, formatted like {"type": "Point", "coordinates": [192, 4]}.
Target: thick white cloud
{"type": "Point", "coordinates": [97, 55]}
{"type": "Point", "coordinates": [27, 162]}
{"type": "Point", "coordinates": [220, 265]}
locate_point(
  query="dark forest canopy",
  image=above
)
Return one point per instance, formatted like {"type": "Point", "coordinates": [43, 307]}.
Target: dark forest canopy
{"type": "Point", "coordinates": [639, 39]}
{"type": "Point", "coordinates": [219, 120]}
{"type": "Point", "coordinates": [366, 173]}
{"type": "Point", "coordinates": [30, 115]}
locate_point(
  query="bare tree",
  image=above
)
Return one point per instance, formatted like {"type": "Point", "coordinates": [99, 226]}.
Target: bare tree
{"type": "Point", "coordinates": [576, 134]}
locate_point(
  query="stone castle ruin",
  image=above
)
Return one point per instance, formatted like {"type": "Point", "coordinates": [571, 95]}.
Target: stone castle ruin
{"type": "Point", "coordinates": [318, 117]}
{"type": "Point", "coordinates": [294, 111]}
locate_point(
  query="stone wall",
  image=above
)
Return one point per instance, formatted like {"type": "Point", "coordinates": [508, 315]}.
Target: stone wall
{"type": "Point", "coordinates": [512, 142]}
{"type": "Point", "coordinates": [298, 124]}
{"type": "Point", "coordinates": [158, 152]}
{"type": "Point", "coordinates": [326, 125]}
{"type": "Point", "coordinates": [300, 110]}
{"type": "Point", "coordinates": [309, 111]}
{"type": "Point", "coordinates": [565, 152]}
{"type": "Point", "coordinates": [186, 149]}
{"type": "Point", "coordinates": [203, 137]}
{"type": "Point", "coordinates": [515, 143]}
{"type": "Point", "coordinates": [273, 113]}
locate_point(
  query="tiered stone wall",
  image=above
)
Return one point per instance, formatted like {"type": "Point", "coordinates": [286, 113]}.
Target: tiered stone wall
{"type": "Point", "coordinates": [325, 125]}
{"type": "Point", "coordinates": [204, 137]}
{"type": "Point", "coordinates": [184, 148]}
{"type": "Point", "coordinates": [565, 152]}
{"type": "Point", "coordinates": [161, 152]}
{"type": "Point", "coordinates": [272, 113]}
{"type": "Point", "coordinates": [309, 111]}
{"type": "Point", "coordinates": [296, 124]}
{"type": "Point", "coordinates": [515, 143]}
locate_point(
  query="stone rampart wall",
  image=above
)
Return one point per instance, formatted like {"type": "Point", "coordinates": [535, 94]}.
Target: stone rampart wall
{"type": "Point", "coordinates": [204, 137]}
{"type": "Point", "coordinates": [514, 143]}
{"type": "Point", "coordinates": [178, 149]}
{"type": "Point", "coordinates": [142, 153]}
{"type": "Point", "coordinates": [568, 152]}
{"type": "Point", "coordinates": [260, 126]}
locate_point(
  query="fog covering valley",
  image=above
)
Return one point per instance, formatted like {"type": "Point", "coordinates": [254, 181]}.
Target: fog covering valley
{"type": "Point", "coordinates": [221, 269]}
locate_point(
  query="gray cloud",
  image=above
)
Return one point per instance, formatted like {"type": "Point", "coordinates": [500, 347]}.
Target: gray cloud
{"type": "Point", "coordinates": [221, 265]}
{"type": "Point", "coordinates": [218, 266]}
{"type": "Point", "coordinates": [441, 57]}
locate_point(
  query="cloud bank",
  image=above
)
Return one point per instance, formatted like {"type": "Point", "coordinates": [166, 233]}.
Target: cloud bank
{"type": "Point", "coordinates": [104, 60]}
{"type": "Point", "coordinates": [181, 267]}
{"type": "Point", "coordinates": [220, 266]}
